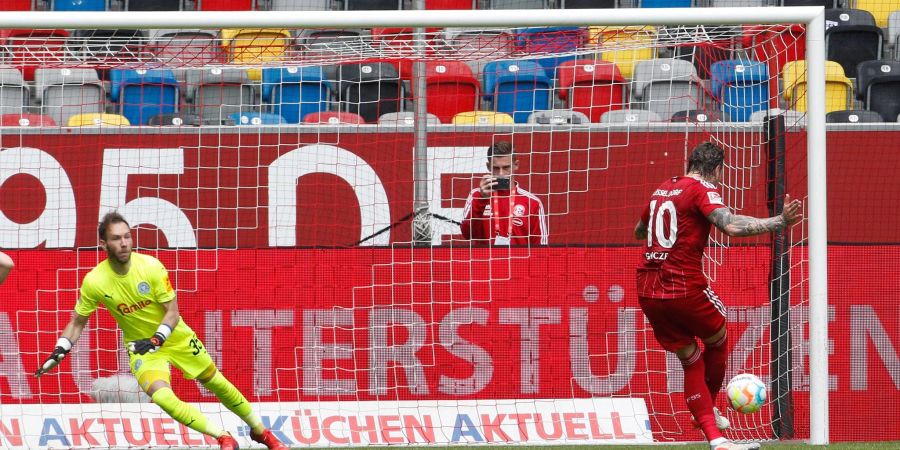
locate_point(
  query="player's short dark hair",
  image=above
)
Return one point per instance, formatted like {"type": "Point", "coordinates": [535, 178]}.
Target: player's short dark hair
{"type": "Point", "coordinates": [109, 219]}
{"type": "Point", "coordinates": [705, 158]}
{"type": "Point", "coordinates": [500, 148]}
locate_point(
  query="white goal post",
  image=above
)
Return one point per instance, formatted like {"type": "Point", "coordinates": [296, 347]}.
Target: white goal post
{"type": "Point", "coordinates": [811, 17]}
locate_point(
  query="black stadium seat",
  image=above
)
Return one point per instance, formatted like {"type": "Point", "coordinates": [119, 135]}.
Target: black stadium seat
{"type": "Point", "coordinates": [851, 37]}
{"type": "Point", "coordinates": [878, 85]}
{"type": "Point", "coordinates": [369, 5]}
{"type": "Point", "coordinates": [153, 5]}
{"type": "Point", "coordinates": [853, 116]}
{"type": "Point", "coordinates": [868, 70]}
{"type": "Point", "coordinates": [369, 89]}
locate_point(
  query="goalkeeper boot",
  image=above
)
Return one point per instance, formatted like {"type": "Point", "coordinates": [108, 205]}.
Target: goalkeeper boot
{"type": "Point", "coordinates": [268, 439]}
{"type": "Point", "coordinates": [227, 442]}
{"type": "Point", "coordinates": [728, 445]}
{"type": "Point", "coordinates": [722, 422]}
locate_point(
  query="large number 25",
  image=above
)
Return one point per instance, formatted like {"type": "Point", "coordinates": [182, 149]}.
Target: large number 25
{"type": "Point", "coordinates": [657, 223]}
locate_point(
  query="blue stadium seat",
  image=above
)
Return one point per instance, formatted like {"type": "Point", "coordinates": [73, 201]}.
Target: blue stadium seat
{"type": "Point", "coordinates": [294, 92]}
{"type": "Point", "coordinates": [144, 94]}
{"type": "Point", "coordinates": [255, 118]}
{"type": "Point", "coordinates": [741, 86]}
{"type": "Point", "coordinates": [79, 5]}
{"type": "Point", "coordinates": [517, 87]}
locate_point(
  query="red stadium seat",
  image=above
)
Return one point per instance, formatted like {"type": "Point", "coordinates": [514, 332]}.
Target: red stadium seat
{"type": "Point", "coordinates": [449, 4]}
{"type": "Point", "coordinates": [451, 88]}
{"type": "Point", "coordinates": [334, 118]}
{"type": "Point", "coordinates": [591, 87]}
{"type": "Point", "coordinates": [26, 120]}
{"type": "Point", "coordinates": [225, 5]}
{"type": "Point", "coordinates": [33, 48]}
{"type": "Point", "coordinates": [15, 5]}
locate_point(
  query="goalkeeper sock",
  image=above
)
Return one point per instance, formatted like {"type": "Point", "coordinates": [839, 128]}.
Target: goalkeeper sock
{"type": "Point", "coordinates": [696, 394]}
{"type": "Point", "coordinates": [715, 356]}
{"type": "Point", "coordinates": [234, 401]}
{"type": "Point", "coordinates": [185, 413]}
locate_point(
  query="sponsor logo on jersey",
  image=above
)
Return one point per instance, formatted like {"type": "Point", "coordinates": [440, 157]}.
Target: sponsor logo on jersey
{"type": "Point", "coordinates": [714, 198]}
{"type": "Point", "coordinates": [519, 210]}
{"type": "Point", "coordinates": [125, 308]}
{"type": "Point", "coordinates": [143, 288]}
{"type": "Point", "coordinates": [517, 222]}
{"type": "Point", "coordinates": [487, 211]}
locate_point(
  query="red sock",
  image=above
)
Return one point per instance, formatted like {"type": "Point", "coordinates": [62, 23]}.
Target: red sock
{"type": "Point", "coordinates": [696, 394]}
{"type": "Point", "coordinates": [715, 356]}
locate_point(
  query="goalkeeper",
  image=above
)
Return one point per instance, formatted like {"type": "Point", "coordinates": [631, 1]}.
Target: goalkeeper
{"type": "Point", "coordinates": [135, 288]}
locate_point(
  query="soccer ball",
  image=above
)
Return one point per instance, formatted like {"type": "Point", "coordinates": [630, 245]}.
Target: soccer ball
{"type": "Point", "coordinates": [746, 393]}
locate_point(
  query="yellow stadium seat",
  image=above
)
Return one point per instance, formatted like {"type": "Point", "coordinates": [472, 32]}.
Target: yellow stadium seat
{"type": "Point", "coordinates": [625, 46]}
{"type": "Point", "coordinates": [881, 9]}
{"type": "Point", "coordinates": [97, 119]}
{"type": "Point", "coordinates": [837, 86]}
{"type": "Point", "coordinates": [482, 118]}
{"type": "Point", "coordinates": [255, 46]}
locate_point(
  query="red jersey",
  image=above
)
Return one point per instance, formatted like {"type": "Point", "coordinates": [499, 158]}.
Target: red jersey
{"type": "Point", "coordinates": [526, 225]}
{"type": "Point", "coordinates": [677, 231]}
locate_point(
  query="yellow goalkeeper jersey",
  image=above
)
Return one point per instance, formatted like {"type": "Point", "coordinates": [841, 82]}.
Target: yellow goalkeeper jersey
{"type": "Point", "coordinates": [134, 299]}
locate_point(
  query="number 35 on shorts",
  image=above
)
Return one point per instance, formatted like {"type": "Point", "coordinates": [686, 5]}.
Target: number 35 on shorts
{"type": "Point", "coordinates": [196, 345]}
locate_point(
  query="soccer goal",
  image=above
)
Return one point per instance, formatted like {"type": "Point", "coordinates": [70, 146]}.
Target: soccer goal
{"type": "Point", "coordinates": [306, 178]}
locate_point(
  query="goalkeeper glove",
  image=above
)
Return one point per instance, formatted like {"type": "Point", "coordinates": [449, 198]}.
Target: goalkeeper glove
{"type": "Point", "coordinates": [149, 345]}
{"type": "Point", "coordinates": [63, 346]}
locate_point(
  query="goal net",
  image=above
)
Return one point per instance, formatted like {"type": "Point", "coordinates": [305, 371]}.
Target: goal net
{"type": "Point", "coordinates": [308, 191]}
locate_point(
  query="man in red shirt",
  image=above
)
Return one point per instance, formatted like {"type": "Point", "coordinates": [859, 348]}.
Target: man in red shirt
{"type": "Point", "coordinates": [500, 211]}
{"type": "Point", "coordinates": [672, 290]}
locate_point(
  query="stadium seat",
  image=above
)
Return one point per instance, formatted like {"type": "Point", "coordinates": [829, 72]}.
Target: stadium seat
{"type": "Point", "coordinates": [15, 5]}
{"type": "Point", "coordinates": [175, 120]}
{"type": "Point", "coordinates": [518, 4]}
{"type": "Point", "coordinates": [878, 83]}
{"type": "Point", "coordinates": [256, 118]}
{"type": "Point", "coordinates": [825, 3]}
{"type": "Point", "coordinates": [776, 46]}
{"type": "Point", "coordinates": [78, 5]}
{"type": "Point", "coordinates": [108, 47]}
{"type": "Point", "coordinates": [558, 117]}
{"type": "Point", "coordinates": [665, 3]}
{"type": "Point", "coordinates": [476, 43]}
{"type": "Point", "coordinates": [324, 45]}
{"type": "Point", "coordinates": [29, 49]}
{"type": "Point", "coordinates": [665, 86]}
{"type": "Point", "coordinates": [880, 9]}
{"type": "Point", "coordinates": [851, 37]}
{"type": "Point", "coordinates": [450, 4]}
{"type": "Point", "coordinates": [791, 117]}
{"type": "Point", "coordinates": [370, 5]}
{"type": "Point", "coordinates": [218, 93]}
{"type": "Point", "coordinates": [550, 40]}
{"type": "Point", "coordinates": [13, 91]}
{"type": "Point", "coordinates": [187, 47]}
{"type": "Point", "coordinates": [406, 119]}
{"type": "Point", "coordinates": [147, 93]}
{"type": "Point", "coordinates": [65, 92]}
{"type": "Point", "coordinates": [742, 87]}
{"type": "Point", "coordinates": [837, 86]}
{"type": "Point", "coordinates": [698, 116]}
{"type": "Point", "coordinates": [612, 37]}
{"type": "Point", "coordinates": [153, 5]}
{"type": "Point", "coordinates": [853, 116]}
{"type": "Point", "coordinates": [451, 89]}
{"type": "Point", "coordinates": [294, 92]}
{"type": "Point", "coordinates": [26, 120]}
{"type": "Point", "coordinates": [369, 89]}
{"type": "Point", "coordinates": [482, 118]}
{"type": "Point", "coordinates": [301, 5]}
{"type": "Point", "coordinates": [334, 118]}
{"type": "Point", "coordinates": [703, 55]}
{"type": "Point", "coordinates": [585, 4]}
{"type": "Point", "coordinates": [630, 116]}
{"type": "Point", "coordinates": [255, 46]}
{"type": "Point", "coordinates": [97, 119]}
{"type": "Point", "coordinates": [591, 87]}
{"type": "Point", "coordinates": [517, 88]}
{"type": "Point", "coordinates": [225, 5]}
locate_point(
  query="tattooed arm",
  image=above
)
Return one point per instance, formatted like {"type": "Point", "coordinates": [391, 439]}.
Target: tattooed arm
{"type": "Point", "coordinates": [738, 225]}
{"type": "Point", "coordinates": [640, 230]}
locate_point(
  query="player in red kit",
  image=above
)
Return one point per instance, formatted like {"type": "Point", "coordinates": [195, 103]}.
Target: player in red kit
{"type": "Point", "coordinates": [672, 290]}
{"type": "Point", "coordinates": [500, 210]}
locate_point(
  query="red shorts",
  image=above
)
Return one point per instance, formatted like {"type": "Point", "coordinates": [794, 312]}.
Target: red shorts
{"type": "Point", "coordinates": [678, 322]}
